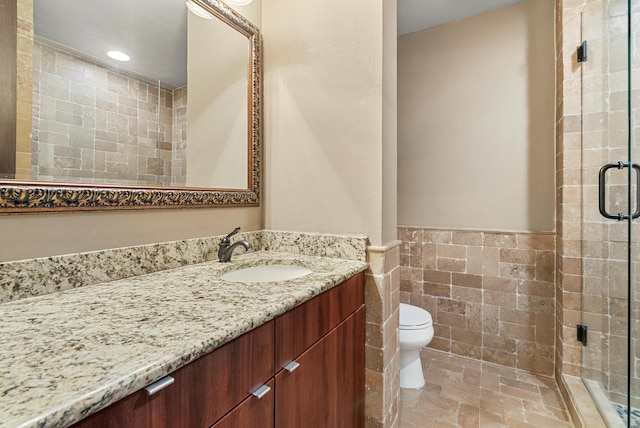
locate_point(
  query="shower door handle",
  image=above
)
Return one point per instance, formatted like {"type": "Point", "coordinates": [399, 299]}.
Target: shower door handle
{"type": "Point", "coordinates": [602, 184]}
{"type": "Point", "coordinates": [636, 213]}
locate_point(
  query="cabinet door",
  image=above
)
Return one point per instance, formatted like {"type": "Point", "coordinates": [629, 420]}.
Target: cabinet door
{"type": "Point", "coordinates": [301, 327]}
{"type": "Point", "coordinates": [251, 413]}
{"type": "Point", "coordinates": [327, 388]}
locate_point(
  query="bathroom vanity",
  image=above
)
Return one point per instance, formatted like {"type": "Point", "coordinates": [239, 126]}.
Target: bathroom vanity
{"type": "Point", "coordinates": [305, 368]}
{"type": "Point", "coordinates": [205, 347]}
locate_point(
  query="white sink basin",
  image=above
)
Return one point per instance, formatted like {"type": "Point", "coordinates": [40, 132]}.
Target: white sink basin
{"type": "Point", "coordinates": [266, 273]}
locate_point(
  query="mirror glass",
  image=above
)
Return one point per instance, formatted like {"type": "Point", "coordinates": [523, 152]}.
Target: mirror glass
{"type": "Point", "coordinates": [135, 94]}
{"type": "Point", "coordinates": [217, 108]}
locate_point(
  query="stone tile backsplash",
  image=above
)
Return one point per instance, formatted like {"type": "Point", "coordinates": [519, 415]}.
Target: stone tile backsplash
{"type": "Point", "coordinates": [491, 294]}
{"type": "Point", "coordinates": [352, 247]}
{"type": "Point", "coordinates": [28, 278]}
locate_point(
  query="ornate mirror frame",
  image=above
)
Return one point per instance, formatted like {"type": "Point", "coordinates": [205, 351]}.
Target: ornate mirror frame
{"type": "Point", "coordinates": [31, 196]}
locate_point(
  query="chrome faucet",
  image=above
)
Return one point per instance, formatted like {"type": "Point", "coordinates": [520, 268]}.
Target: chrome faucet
{"type": "Point", "coordinates": [226, 248]}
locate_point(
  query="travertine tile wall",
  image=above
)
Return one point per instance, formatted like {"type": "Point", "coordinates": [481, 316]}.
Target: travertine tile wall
{"type": "Point", "coordinates": [568, 188]}
{"type": "Point", "coordinates": [179, 152]}
{"type": "Point", "coordinates": [23, 89]}
{"type": "Point", "coordinates": [568, 197]}
{"type": "Point", "coordinates": [592, 251]}
{"type": "Point", "coordinates": [92, 124]}
{"type": "Point", "coordinates": [382, 361]}
{"type": "Point", "coordinates": [491, 294]}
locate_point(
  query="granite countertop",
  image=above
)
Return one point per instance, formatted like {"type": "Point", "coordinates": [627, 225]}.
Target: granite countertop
{"type": "Point", "coordinates": [69, 354]}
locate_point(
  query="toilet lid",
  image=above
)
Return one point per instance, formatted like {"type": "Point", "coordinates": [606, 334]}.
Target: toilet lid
{"type": "Point", "coordinates": [414, 317]}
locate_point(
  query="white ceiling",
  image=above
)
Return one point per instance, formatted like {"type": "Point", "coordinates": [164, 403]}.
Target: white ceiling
{"type": "Point", "coordinates": [416, 15]}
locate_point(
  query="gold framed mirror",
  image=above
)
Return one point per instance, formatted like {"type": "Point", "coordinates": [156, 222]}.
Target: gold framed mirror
{"type": "Point", "coordinates": [28, 195]}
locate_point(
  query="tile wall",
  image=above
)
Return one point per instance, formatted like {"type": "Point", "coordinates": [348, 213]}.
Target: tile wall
{"type": "Point", "coordinates": [491, 294]}
{"type": "Point", "coordinates": [179, 152]}
{"type": "Point", "coordinates": [591, 131]}
{"type": "Point", "coordinates": [382, 361]}
{"type": "Point", "coordinates": [94, 124]}
{"type": "Point", "coordinates": [568, 190]}
{"type": "Point", "coordinates": [23, 89]}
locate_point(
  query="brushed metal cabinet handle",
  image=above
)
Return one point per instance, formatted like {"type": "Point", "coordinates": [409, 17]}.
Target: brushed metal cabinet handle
{"type": "Point", "coordinates": [260, 391]}
{"type": "Point", "coordinates": [161, 384]}
{"type": "Point", "coordinates": [291, 366]}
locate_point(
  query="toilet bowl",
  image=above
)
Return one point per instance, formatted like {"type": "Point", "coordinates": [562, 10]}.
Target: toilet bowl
{"type": "Point", "coordinates": [416, 331]}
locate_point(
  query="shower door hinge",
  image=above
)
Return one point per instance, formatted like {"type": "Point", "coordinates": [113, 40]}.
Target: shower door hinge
{"type": "Point", "coordinates": [582, 52]}
{"type": "Point", "coordinates": [582, 334]}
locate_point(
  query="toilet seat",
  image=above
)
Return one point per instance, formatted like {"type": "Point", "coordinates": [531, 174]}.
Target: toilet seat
{"type": "Point", "coordinates": [414, 318]}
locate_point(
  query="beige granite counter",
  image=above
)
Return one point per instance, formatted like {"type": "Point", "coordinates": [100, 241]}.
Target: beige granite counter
{"type": "Point", "coordinates": [23, 279]}
{"type": "Point", "coordinates": [68, 354]}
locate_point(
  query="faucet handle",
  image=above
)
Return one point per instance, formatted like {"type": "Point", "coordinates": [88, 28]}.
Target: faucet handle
{"type": "Point", "coordinates": [235, 231]}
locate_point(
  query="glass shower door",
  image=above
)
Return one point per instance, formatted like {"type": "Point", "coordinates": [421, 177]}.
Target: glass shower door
{"type": "Point", "coordinates": [609, 204]}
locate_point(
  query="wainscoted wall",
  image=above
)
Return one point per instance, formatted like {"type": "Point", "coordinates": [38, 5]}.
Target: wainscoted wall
{"type": "Point", "coordinates": [491, 294]}
{"type": "Point", "coordinates": [95, 124]}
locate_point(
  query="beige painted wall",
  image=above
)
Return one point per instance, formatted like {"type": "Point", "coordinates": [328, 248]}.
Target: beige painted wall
{"type": "Point", "coordinates": [476, 122]}
{"type": "Point", "coordinates": [390, 122]}
{"type": "Point", "coordinates": [325, 121]}
{"type": "Point", "coordinates": [328, 128]}
{"type": "Point", "coordinates": [39, 235]}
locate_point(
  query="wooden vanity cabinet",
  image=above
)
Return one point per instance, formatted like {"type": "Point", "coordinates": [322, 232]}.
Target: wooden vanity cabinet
{"type": "Point", "coordinates": [302, 326]}
{"type": "Point", "coordinates": [324, 338]}
{"type": "Point", "coordinates": [327, 388]}
{"type": "Point", "coordinates": [202, 392]}
{"type": "Point", "coordinates": [323, 342]}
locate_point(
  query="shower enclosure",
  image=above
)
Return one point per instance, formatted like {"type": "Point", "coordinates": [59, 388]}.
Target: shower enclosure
{"type": "Point", "coordinates": [609, 66]}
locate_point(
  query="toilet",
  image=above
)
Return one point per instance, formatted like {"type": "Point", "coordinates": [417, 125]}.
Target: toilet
{"type": "Point", "coordinates": [416, 331]}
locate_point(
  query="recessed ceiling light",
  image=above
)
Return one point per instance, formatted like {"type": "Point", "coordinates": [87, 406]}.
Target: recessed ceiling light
{"type": "Point", "coordinates": [118, 56]}
{"type": "Point", "coordinates": [239, 2]}
{"type": "Point", "coordinates": [198, 10]}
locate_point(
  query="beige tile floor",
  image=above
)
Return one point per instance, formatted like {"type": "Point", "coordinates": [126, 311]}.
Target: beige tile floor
{"type": "Point", "coordinates": [463, 392]}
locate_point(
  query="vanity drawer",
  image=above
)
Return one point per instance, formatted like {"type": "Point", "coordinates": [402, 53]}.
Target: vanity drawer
{"type": "Point", "coordinates": [206, 389]}
{"type": "Point", "coordinates": [302, 326]}
{"type": "Point", "coordinates": [202, 392]}
{"type": "Point", "coordinates": [252, 412]}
